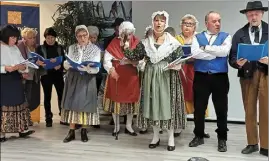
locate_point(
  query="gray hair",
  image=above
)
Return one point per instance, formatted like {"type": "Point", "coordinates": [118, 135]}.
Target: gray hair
{"type": "Point", "coordinates": [207, 15]}
{"type": "Point", "coordinates": [189, 16]}
{"type": "Point", "coordinates": [93, 30]}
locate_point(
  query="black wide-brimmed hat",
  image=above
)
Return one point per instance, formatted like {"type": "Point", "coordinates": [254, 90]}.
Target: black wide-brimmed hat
{"type": "Point", "coordinates": [254, 5]}
{"type": "Point", "coordinates": [117, 22]}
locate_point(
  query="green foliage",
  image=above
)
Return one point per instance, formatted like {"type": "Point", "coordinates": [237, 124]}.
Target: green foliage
{"type": "Point", "coordinates": [74, 13]}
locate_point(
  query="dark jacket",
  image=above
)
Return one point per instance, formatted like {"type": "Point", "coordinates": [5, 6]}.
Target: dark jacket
{"type": "Point", "coordinates": [242, 36]}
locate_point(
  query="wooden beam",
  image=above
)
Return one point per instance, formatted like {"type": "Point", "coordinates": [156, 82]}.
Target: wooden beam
{"type": "Point", "coordinates": [19, 4]}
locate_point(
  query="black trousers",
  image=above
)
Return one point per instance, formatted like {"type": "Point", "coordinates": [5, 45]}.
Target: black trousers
{"type": "Point", "coordinates": [204, 85]}
{"type": "Point", "coordinates": [47, 82]}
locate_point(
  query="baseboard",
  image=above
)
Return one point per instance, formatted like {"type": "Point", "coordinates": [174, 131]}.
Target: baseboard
{"type": "Point", "coordinates": [206, 120]}
{"type": "Point", "coordinates": [230, 122]}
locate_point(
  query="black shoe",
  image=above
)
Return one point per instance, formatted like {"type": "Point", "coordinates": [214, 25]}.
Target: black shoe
{"type": "Point", "coordinates": [49, 123]}
{"type": "Point", "coordinates": [250, 149]}
{"type": "Point", "coordinates": [84, 137]}
{"type": "Point", "coordinates": [25, 134]}
{"type": "Point", "coordinates": [143, 132]}
{"type": "Point", "coordinates": [152, 146]}
{"type": "Point", "coordinates": [171, 148]}
{"type": "Point", "coordinates": [160, 132]}
{"type": "Point", "coordinates": [96, 126]}
{"type": "Point", "coordinates": [196, 141]}
{"type": "Point", "coordinates": [64, 123]}
{"type": "Point", "coordinates": [206, 135]}
{"type": "Point", "coordinates": [70, 136]}
{"type": "Point", "coordinates": [264, 152]}
{"type": "Point", "coordinates": [130, 133]}
{"type": "Point", "coordinates": [114, 133]}
{"type": "Point", "coordinates": [4, 139]}
{"type": "Point", "coordinates": [222, 147]}
{"type": "Point", "coordinates": [177, 134]}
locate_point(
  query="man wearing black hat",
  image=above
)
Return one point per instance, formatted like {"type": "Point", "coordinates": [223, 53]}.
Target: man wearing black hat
{"type": "Point", "coordinates": [115, 25]}
{"type": "Point", "coordinates": [253, 77]}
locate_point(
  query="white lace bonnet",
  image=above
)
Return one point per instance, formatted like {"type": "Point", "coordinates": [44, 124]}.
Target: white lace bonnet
{"type": "Point", "coordinates": [166, 15]}
{"type": "Point", "coordinates": [126, 26]}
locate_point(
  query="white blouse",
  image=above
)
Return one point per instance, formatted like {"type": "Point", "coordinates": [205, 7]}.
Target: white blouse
{"type": "Point", "coordinates": [10, 56]}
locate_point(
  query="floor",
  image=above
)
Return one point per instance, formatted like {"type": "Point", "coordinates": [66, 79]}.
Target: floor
{"type": "Point", "coordinates": [46, 145]}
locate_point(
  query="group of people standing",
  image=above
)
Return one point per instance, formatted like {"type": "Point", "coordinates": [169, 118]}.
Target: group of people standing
{"type": "Point", "coordinates": [137, 83]}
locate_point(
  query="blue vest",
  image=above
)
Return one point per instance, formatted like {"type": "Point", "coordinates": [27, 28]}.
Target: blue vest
{"type": "Point", "coordinates": [218, 65]}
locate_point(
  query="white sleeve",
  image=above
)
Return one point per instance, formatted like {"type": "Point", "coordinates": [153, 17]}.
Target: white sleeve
{"type": "Point", "coordinates": [96, 58]}
{"type": "Point", "coordinates": [3, 70]}
{"type": "Point", "coordinates": [199, 53]}
{"type": "Point", "coordinates": [66, 64]}
{"type": "Point", "coordinates": [21, 59]}
{"type": "Point", "coordinates": [108, 61]}
{"type": "Point", "coordinates": [220, 51]}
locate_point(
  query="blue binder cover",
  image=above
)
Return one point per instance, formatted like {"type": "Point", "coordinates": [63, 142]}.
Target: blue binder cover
{"type": "Point", "coordinates": [251, 52]}
{"type": "Point", "coordinates": [49, 64]}
{"type": "Point", "coordinates": [75, 65]}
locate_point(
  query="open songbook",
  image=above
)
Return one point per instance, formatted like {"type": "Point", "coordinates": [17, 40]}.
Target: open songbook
{"type": "Point", "coordinates": [252, 52]}
{"type": "Point", "coordinates": [179, 60]}
{"type": "Point", "coordinates": [75, 64]}
{"type": "Point", "coordinates": [28, 63]}
{"type": "Point", "coordinates": [49, 64]}
{"type": "Point", "coordinates": [186, 56]}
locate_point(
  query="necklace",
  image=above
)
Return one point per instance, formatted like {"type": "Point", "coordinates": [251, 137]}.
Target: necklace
{"type": "Point", "coordinates": [157, 38]}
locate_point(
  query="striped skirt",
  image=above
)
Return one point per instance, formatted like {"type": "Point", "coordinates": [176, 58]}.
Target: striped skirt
{"type": "Point", "coordinates": [119, 108]}
{"type": "Point", "coordinates": [82, 118]}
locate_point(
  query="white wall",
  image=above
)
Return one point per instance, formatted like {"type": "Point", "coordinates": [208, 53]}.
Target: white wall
{"type": "Point", "coordinates": [232, 20]}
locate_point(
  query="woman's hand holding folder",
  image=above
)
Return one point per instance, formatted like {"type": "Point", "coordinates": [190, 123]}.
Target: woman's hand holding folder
{"type": "Point", "coordinates": [264, 60]}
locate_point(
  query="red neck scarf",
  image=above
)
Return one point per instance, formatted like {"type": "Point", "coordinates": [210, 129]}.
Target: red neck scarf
{"type": "Point", "coordinates": [115, 50]}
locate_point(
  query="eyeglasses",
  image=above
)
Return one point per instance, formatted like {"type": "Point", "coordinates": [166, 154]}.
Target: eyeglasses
{"type": "Point", "coordinates": [82, 36]}
{"type": "Point", "coordinates": [188, 24]}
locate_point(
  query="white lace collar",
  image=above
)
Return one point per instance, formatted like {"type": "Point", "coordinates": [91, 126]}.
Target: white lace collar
{"type": "Point", "coordinates": [169, 45]}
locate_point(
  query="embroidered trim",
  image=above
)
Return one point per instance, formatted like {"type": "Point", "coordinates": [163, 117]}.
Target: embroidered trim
{"type": "Point", "coordinates": [89, 52]}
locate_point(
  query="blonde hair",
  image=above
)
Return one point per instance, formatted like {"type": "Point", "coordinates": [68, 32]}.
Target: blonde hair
{"type": "Point", "coordinates": [26, 31]}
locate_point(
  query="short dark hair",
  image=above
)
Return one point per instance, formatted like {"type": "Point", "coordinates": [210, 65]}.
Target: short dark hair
{"type": "Point", "coordinates": [9, 31]}
{"type": "Point", "coordinates": [171, 31]}
{"type": "Point", "coordinates": [50, 32]}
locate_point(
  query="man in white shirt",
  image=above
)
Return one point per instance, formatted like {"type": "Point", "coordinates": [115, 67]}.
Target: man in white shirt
{"type": "Point", "coordinates": [211, 49]}
{"type": "Point", "coordinates": [253, 77]}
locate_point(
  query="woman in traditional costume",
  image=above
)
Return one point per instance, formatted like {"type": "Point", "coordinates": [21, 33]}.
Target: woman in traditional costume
{"type": "Point", "coordinates": [122, 91]}
{"type": "Point", "coordinates": [79, 102]}
{"type": "Point", "coordinates": [162, 103]}
{"type": "Point", "coordinates": [14, 112]}
{"type": "Point", "coordinates": [188, 26]}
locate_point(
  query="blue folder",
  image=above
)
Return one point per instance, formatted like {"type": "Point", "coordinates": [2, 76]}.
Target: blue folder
{"type": "Point", "coordinates": [265, 49]}
{"type": "Point", "coordinates": [252, 52]}
{"type": "Point", "coordinates": [49, 64]}
{"type": "Point", "coordinates": [187, 50]}
{"type": "Point", "coordinates": [75, 65]}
